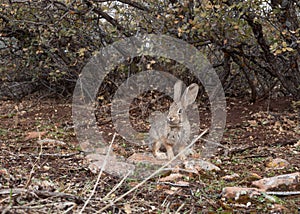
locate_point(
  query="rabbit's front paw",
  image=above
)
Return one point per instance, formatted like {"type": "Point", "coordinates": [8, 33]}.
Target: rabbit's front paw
{"type": "Point", "coordinates": [161, 155]}
{"type": "Point", "coordinates": [169, 149]}
{"type": "Point", "coordinates": [183, 152]}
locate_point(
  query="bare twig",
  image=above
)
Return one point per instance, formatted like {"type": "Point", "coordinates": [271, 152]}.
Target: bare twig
{"type": "Point", "coordinates": [34, 165]}
{"type": "Point", "coordinates": [130, 3]}
{"type": "Point", "coordinates": [285, 193]}
{"type": "Point", "coordinates": [17, 191]}
{"type": "Point", "coordinates": [174, 184]}
{"type": "Point", "coordinates": [47, 140]}
{"type": "Point", "coordinates": [154, 173]}
{"type": "Point", "coordinates": [99, 175]}
{"type": "Point", "coordinates": [59, 155]}
{"type": "Point", "coordinates": [117, 186]}
{"type": "Point", "coordinates": [179, 208]}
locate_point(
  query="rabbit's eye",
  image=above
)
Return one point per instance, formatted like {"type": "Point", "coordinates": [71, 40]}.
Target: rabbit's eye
{"type": "Point", "coordinates": [180, 111]}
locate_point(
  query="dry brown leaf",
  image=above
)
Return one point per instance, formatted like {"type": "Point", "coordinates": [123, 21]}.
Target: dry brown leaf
{"type": "Point", "coordinates": [253, 176]}
{"type": "Point", "coordinates": [277, 124]}
{"type": "Point", "coordinates": [252, 123]}
{"type": "Point", "coordinates": [232, 177]}
{"type": "Point", "coordinates": [127, 209]}
{"type": "Point", "coordinates": [297, 144]}
{"type": "Point", "coordinates": [161, 187]}
{"type": "Point", "coordinates": [171, 177]}
{"type": "Point", "coordinates": [33, 135]}
{"type": "Point", "coordinates": [169, 192]}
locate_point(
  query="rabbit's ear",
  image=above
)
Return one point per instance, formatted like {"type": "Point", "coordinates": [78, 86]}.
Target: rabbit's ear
{"type": "Point", "coordinates": [190, 94]}
{"type": "Point", "coordinates": [177, 91]}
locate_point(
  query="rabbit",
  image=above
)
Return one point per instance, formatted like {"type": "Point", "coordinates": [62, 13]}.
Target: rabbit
{"type": "Point", "coordinates": [172, 130]}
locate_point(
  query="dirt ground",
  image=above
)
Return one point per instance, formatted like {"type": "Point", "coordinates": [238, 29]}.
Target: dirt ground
{"type": "Point", "coordinates": [53, 177]}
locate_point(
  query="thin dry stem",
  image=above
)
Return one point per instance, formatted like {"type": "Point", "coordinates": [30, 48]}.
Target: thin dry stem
{"type": "Point", "coordinates": [154, 173]}
{"type": "Point", "coordinates": [99, 175]}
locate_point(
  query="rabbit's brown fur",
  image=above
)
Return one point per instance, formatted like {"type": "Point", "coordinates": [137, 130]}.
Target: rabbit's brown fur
{"type": "Point", "coordinates": [173, 131]}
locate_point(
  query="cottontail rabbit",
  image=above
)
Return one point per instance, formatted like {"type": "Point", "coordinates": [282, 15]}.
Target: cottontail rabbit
{"type": "Point", "coordinates": [173, 130]}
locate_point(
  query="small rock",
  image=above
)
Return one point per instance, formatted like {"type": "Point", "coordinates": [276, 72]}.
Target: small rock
{"type": "Point", "coordinates": [113, 167]}
{"type": "Point", "coordinates": [236, 192]}
{"type": "Point", "coordinates": [198, 165]}
{"type": "Point", "coordinates": [219, 161]}
{"type": "Point", "coordinates": [96, 156]}
{"type": "Point", "coordinates": [231, 177]}
{"type": "Point", "coordinates": [273, 182]}
{"type": "Point", "coordinates": [277, 163]}
{"type": "Point", "coordinates": [183, 183]}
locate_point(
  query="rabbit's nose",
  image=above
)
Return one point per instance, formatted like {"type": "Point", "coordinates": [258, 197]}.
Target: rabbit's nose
{"type": "Point", "coordinates": [171, 119]}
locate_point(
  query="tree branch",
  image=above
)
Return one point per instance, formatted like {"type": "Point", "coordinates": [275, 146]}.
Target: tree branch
{"type": "Point", "coordinates": [108, 18]}
{"type": "Point", "coordinates": [135, 4]}
{"type": "Point", "coordinates": [128, 2]}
